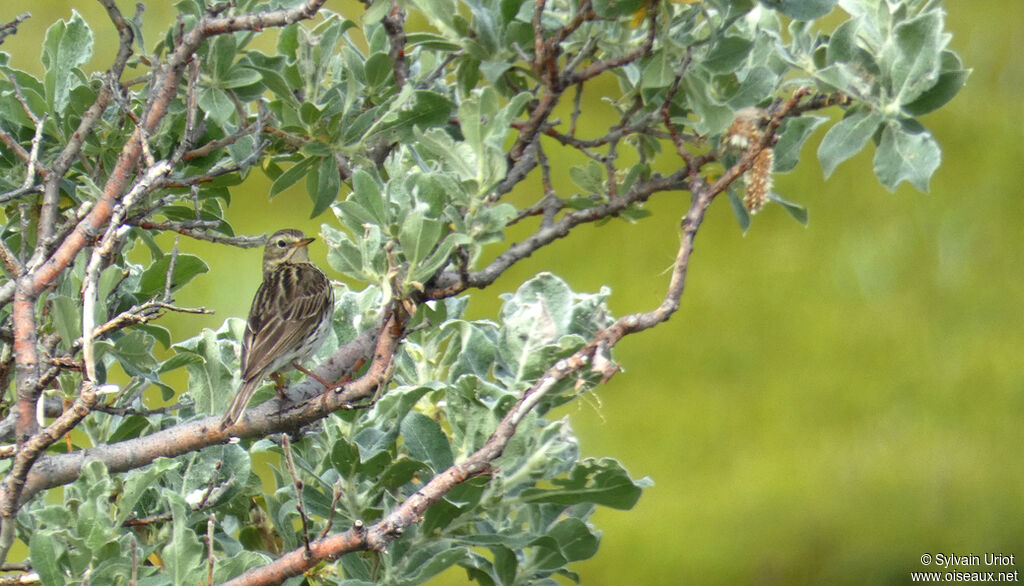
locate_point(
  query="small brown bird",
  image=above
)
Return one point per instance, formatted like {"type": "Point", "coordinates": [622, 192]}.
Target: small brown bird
{"type": "Point", "coordinates": [290, 316]}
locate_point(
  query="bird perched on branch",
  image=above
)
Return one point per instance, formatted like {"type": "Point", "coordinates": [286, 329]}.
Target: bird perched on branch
{"type": "Point", "coordinates": [290, 316]}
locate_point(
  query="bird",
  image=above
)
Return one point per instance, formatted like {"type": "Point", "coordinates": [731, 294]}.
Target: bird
{"type": "Point", "coordinates": [289, 320]}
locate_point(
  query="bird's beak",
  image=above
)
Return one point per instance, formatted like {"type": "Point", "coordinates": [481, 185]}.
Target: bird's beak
{"type": "Point", "coordinates": [303, 242]}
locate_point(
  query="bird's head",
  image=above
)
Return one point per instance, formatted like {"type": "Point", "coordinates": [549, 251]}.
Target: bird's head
{"type": "Point", "coordinates": [285, 246]}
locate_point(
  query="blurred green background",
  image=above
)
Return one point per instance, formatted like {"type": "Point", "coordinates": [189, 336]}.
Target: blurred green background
{"type": "Point", "coordinates": [830, 402]}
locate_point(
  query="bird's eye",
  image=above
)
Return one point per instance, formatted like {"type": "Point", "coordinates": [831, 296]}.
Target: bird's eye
{"type": "Point", "coordinates": [281, 244]}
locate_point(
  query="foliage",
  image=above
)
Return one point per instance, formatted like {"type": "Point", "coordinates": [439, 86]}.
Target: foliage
{"type": "Point", "coordinates": [443, 449]}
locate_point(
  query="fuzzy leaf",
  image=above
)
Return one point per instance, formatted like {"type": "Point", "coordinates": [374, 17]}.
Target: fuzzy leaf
{"type": "Point", "coordinates": [68, 45]}
{"type": "Point", "coordinates": [846, 139]}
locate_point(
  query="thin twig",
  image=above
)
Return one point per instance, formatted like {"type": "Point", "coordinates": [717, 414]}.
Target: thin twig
{"type": "Point", "coordinates": [220, 169]}
{"type": "Point", "coordinates": [21, 99]}
{"type": "Point", "coordinates": [9, 28]}
{"type": "Point", "coordinates": [600, 67]}
{"type": "Point", "coordinates": [190, 134]}
{"type": "Point", "coordinates": [335, 497]}
{"type": "Point", "coordinates": [394, 26]}
{"type": "Point", "coordinates": [144, 313]}
{"type": "Point", "coordinates": [27, 186]}
{"type": "Point", "coordinates": [107, 242]}
{"type": "Point", "coordinates": [286, 447]}
{"type": "Point", "coordinates": [210, 559]}
{"type": "Point", "coordinates": [169, 278]}
{"type": "Point", "coordinates": [134, 580]}
{"type": "Point", "coordinates": [199, 229]}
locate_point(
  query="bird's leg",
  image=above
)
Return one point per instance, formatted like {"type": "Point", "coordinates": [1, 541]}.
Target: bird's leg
{"type": "Point", "coordinates": [327, 386]}
{"type": "Point", "coordinates": [279, 384]}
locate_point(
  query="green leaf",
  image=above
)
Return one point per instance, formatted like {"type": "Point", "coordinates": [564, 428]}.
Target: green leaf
{"type": "Point", "coordinates": [327, 186]}
{"type": "Point", "coordinates": [241, 77]}
{"type": "Point", "coordinates": [505, 563]}
{"type": "Point", "coordinates": [357, 570]}
{"type": "Point", "coordinates": [276, 83]}
{"type": "Point", "coordinates": [344, 457]}
{"type": "Point", "coordinates": [293, 174]}
{"type": "Point", "coordinates": [426, 441]}
{"type": "Point", "coordinates": [398, 401]}
{"type": "Point", "coordinates": [378, 67]}
{"type": "Point", "coordinates": [427, 562]}
{"type": "Point", "coordinates": [428, 109]}
{"type": "Point", "coordinates": [589, 178]}
{"type": "Point", "coordinates": [846, 139]}
{"type": "Point", "coordinates": [137, 483]}
{"type": "Point", "coordinates": [574, 539]}
{"type": "Point", "coordinates": [801, 9]}
{"type": "Point", "coordinates": [535, 317]}
{"type": "Point", "coordinates": [797, 211]}
{"type": "Point", "coordinates": [134, 351]}
{"type": "Point", "coordinates": [400, 472]}
{"type": "Point", "coordinates": [216, 103]}
{"type": "Point", "coordinates": [131, 426]}
{"type": "Point", "coordinates": [372, 441]}
{"type": "Point", "coordinates": [418, 236]}
{"type": "Point", "coordinates": [67, 45]}
{"type": "Point", "coordinates": [738, 209]}
{"type": "Point", "coordinates": [914, 58]}
{"type": "Point", "coordinates": [233, 566]}
{"type": "Point", "coordinates": [440, 14]}
{"type": "Point", "coordinates": [603, 482]}
{"type": "Point", "coordinates": [426, 269]}
{"type": "Point", "coordinates": [659, 72]}
{"type": "Point", "coordinates": [208, 377]}
{"type": "Point", "coordinates": [160, 333]}
{"type": "Point", "coordinates": [184, 555]}
{"type": "Point", "coordinates": [45, 551]}
{"type": "Point", "coordinates": [342, 254]}
{"type": "Point", "coordinates": [367, 193]}
{"type": "Point", "coordinates": [375, 12]}
{"type": "Point", "coordinates": [713, 117]}
{"type": "Point", "coordinates": [425, 40]}
{"type": "Point", "coordinates": [221, 56]}
{"type": "Point", "coordinates": [546, 553]}
{"type": "Point", "coordinates": [795, 132]}
{"type": "Point", "coordinates": [952, 78]}
{"type": "Point", "coordinates": [906, 154]}
{"type": "Point", "coordinates": [310, 114]}
{"type": "Point", "coordinates": [727, 54]}
{"type": "Point", "coordinates": [154, 278]}
{"type": "Point", "coordinates": [66, 313]}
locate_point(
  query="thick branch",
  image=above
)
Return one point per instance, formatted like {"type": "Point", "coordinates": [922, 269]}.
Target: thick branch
{"type": "Point", "coordinates": [273, 416]}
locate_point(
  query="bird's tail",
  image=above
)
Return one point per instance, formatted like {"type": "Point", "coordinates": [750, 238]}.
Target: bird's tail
{"type": "Point", "coordinates": [239, 402]}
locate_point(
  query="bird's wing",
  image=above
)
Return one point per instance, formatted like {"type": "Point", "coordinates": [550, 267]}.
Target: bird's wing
{"type": "Point", "coordinates": [287, 308]}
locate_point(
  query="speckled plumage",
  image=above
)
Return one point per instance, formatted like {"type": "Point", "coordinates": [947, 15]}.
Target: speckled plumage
{"type": "Point", "coordinates": [289, 319]}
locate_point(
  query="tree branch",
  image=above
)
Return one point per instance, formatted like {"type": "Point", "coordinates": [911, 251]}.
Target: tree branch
{"type": "Point", "coordinates": [9, 28]}
{"type": "Point", "coordinates": [450, 283]}
{"type": "Point", "coordinates": [309, 403]}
